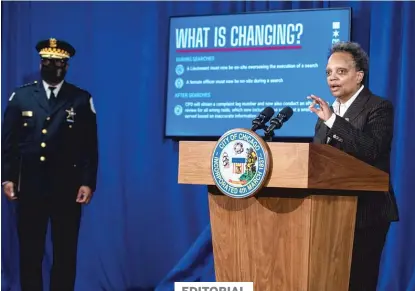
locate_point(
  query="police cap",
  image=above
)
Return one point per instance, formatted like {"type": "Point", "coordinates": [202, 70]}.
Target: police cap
{"type": "Point", "coordinates": [55, 49]}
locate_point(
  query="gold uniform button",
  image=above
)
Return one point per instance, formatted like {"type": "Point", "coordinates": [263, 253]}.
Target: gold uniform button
{"type": "Point", "coordinates": [44, 131]}
{"type": "Point", "coordinates": [43, 144]}
{"type": "Point", "coordinates": [48, 118]}
{"type": "Point", "coordinates": [42, 158]}
{"type": "Point", "coordinates": [25, 124]}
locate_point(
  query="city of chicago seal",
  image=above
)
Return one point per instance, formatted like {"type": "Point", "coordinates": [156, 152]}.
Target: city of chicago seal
{"type": "Point", "coordinates": [240, 163]}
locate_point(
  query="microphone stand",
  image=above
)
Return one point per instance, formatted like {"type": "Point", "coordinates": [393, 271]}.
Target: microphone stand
{"type": "Point", "coordinates": [268, 134]}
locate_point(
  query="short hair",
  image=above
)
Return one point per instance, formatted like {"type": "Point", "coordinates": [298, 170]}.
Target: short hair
{"type": "Point", "coordinates": [360, 57]}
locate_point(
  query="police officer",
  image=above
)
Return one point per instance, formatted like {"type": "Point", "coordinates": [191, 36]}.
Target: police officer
{"type": "Point", "coordinates": [49, 161]}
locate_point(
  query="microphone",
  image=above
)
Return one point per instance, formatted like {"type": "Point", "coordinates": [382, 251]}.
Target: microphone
{"type": "Point", "coordinates": [262, 118]}
{"type": "Point", "coordinates": [278, 121]}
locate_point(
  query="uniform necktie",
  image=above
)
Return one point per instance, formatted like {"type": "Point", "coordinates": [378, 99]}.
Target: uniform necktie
{"type": "Point", "coordinates": [52, 97]}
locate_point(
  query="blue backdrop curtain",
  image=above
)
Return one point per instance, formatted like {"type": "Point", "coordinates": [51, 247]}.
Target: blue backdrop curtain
{"type": "Point", "coordinates": [142, 228]}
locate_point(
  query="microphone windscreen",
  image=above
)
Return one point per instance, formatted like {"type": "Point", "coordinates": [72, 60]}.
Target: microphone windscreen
{"type": "Point", "coordinates": [268, 112]}
{"type": "Point", "coordinates": [287, 112]}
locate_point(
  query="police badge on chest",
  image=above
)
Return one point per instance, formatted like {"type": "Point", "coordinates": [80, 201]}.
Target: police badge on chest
{"type": "Point", "coordinates": [70, 118]}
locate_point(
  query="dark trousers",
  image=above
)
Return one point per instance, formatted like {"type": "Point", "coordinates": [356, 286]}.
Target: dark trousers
{"type": "Point", "coordinates": [33, 217]}
{"type": "Point", "coordinates": [367, 252]}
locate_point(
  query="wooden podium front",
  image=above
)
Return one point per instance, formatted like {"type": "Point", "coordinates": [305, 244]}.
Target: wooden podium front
{"type": "Point", "coordinates": [296, 234]}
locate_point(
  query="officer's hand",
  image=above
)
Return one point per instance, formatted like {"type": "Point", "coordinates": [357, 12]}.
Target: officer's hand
{"type": "Point", "coordinates": [84, 195]}
{"type": "Point", "coordinates": [9, 190]}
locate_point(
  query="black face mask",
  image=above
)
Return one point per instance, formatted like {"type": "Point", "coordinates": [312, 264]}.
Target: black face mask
{"type": "Point", "coordinates": [52, 73]}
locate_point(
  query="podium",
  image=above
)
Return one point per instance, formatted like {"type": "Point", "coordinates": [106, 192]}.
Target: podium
{"type": "Point", "coordinates": [296, 233]}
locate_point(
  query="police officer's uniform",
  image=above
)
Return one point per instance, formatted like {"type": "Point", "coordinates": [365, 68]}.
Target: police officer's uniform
{"type": "Point", "coordinates": [49, 148]}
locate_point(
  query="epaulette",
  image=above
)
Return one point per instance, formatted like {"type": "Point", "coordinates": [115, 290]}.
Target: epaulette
{"type": "Point", "coordinates": [28, 84]}
{"type": "Point", "coordinates": [81, 89]}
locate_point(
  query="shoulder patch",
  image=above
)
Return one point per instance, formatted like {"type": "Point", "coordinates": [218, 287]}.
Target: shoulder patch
{"type": "Point", "coordinates": [91, 103]}
{"type": "Point", "coordinates": [28, 84]}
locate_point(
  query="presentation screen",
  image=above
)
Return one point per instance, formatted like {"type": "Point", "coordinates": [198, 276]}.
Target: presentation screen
{"type": "Point", "coordinates": [225, 69]}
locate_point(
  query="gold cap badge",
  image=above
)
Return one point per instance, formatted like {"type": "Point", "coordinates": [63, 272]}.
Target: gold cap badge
{"type": "Point", "coordinates": [52, 42]}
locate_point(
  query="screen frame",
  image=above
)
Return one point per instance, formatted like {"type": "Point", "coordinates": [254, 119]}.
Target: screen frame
{"type": "Point", "coordinates": [276, 138]}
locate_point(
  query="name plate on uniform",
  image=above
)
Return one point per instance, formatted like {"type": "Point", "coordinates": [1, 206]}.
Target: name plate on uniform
{"type": "Point", "coordinates": [27, 113]}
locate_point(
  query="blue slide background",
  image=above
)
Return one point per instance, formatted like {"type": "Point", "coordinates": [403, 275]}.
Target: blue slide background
{"type": "Point", "coordinates": [315, 41]}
